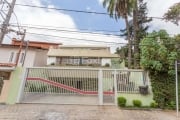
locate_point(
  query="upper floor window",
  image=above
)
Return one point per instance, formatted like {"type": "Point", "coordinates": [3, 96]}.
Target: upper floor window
{"type": "Point", "coordinates": [22, 58]}
{"type": "Point", "coordinates": [11, 57]}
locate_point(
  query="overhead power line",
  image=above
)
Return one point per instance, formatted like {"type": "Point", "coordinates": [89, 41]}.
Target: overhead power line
{"type": "Point", "coordinates": [58, 27]}
{"type": "Point", "coordinates": [6, 21]}
{"type": "Point", "coordinates": [64, 30]}
{"type": "Point", "coordinates": [60, 9]}
{"type": "Point", "coordinates": [80, 39]}
{"type": "Point", "coordinates": [67, 28]}
{"type": "Point", "coordinates": [76, 11]}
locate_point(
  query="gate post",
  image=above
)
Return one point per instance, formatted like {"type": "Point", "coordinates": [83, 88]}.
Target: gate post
{"type": "Point", "coordinates": [22, 85]}
{"type": "Point", "coordinates": [100, 86]}
{"type": "Point", "coordinates": [115, 87]}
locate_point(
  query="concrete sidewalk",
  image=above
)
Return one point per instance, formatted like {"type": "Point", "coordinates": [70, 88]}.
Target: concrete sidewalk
{"type": "Point", "coordinates": [78, 112]}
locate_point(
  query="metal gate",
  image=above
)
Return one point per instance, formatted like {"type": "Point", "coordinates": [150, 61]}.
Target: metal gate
{"type": "Point", "coordinates": [77, 85]}
{"type": "Point", "coordinates": [62, 86]}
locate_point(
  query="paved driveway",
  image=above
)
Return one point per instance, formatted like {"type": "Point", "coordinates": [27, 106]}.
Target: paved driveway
{"type": "Point", "coordinates": [78, 112]}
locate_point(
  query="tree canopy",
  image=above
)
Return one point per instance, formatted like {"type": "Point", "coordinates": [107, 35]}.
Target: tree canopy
{"type": "Point", "coordinates": [159, 51]}
{"type": "Point", "coordinates": [173, 14]}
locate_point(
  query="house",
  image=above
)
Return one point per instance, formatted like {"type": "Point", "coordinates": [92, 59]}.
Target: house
{"type": "Point", "coordinates": [27, 55]}
{"type": "Point", "coordinates": [17, 55]}
{"type": "Point", "coordinates": [80, 55]}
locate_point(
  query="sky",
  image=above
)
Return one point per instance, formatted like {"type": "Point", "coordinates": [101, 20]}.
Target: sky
{"type": "Point", "coordinates": [96, 26]}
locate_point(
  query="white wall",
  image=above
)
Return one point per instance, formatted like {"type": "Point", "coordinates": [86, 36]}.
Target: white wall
{"type": "Point", "coordinates": [30, 58]}
{"type": "Point", "coordinates": [105, 60]}
{"type": "Point", "coordinates": [51, 60]}
{"type": "Point", "coordinates": [40, 58]}
{"type": "Point", "coordinates": [34, 57]}
{"type": "Point", "coordinates": [5, 54]}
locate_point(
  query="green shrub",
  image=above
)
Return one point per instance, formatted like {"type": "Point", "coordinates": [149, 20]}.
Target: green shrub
{"type": "Point", "coordinates": [122, 101]}
{"type": "Point", "coordinates": [107, 65]}
{"type": "Point", "coordinates": [52, 64]}
{"type": "Point", "coordinates": [163, 89]}
{"type": "Point", "coordinates": [153, 104]}
{"type": "Point", "coordinates": [171, 105]}
{"type": "Point", "coordinates": [137, 103]}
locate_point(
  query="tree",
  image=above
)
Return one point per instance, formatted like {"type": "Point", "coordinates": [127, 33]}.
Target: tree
{"type": "Point", "coordinates": [135, 31]}
{"type": "Point", "coordinates": [158, 52]}
{"type": "Point", "coordinates": [123, 53]}
{"type": "Point", "coordinates": [173, 14]}
{"type": "Point", "coordinates": [138, 29]}
{"type": "Point", "coordinates": [117, 9]}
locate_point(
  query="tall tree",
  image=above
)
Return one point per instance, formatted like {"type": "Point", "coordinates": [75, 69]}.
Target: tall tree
{"type": "Point", "coordinates": [135, 30]}
{"type": "Point", "coordinates": [173, 14]}
{"type": "Point", "coordinates": [117, 9]}
{"type": "Point", "coordinates": [138, 29]}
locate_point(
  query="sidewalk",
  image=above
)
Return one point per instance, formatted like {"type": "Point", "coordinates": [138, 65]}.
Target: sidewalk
{"type": "Point", "coordinates": [78, 112]}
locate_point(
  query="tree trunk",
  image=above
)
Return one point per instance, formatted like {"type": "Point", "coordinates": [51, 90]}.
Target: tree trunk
{"type": "Point", "coordinates": [129, 42]}
{"type": "Point", "coordinates": [136, 41]}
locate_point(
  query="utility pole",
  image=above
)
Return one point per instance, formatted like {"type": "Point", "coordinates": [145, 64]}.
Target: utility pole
{"type": "Point", "coordinates": [20, 47]}
{"type": "Point", "coordinates": [177, 98]}
{"type": "Point", "coordinates": [6, 21]}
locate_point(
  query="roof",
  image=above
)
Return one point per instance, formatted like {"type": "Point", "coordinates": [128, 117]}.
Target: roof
{"type": "Point", "coordinates": [44, 45]}
{"type": "Point", "coordinates": [17, 46]}
{"type": "Point", "coordinates": [81, 53]}
{"type": "Point", "coordinates": [82, 46]}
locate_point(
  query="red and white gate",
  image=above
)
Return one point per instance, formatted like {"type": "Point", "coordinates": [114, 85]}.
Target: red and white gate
{"type": "Point", "coordinates": [74, 86]}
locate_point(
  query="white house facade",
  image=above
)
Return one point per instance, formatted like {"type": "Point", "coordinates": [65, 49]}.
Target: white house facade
{"type": "Point", "coordinates": [11, 56]}
{"type": "Point", "coordinates": [80, 56]}
{"type": "Point", "coordinates": [33, 56]}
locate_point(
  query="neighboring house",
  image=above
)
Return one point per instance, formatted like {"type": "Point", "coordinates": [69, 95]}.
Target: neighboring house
{"type": "Point", "coordinates": [16, 55]}
{"type": "Point", "coordinates": [31, 54]}
{"type": "Point", "coordinates": [80, 56]}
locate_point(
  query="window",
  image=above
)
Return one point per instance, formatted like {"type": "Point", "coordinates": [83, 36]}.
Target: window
{"type": "Point", "coordinates": [17, 55]}
{"type": "Point", "coordinates": [5, 75]}
{"type": "Point", "coordinates": [22, 58]}
{"type": "Point", "coordinates": [11, 57]}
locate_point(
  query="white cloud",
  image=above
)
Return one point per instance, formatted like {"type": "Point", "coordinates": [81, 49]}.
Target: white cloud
{"type": "Point", "coordinates": [88, 8]}
{"type": "Point", "coordinates": [100, 2]}
{"type": "Point", "coordinates": [157, 8]}
{"type": "Point", "coordinates": [49, 17]}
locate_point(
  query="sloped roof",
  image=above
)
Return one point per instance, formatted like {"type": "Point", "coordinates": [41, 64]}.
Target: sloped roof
{"type": "Point", "coordinates": [82, 46]}
{"type": "Point", "coordinates": [43, 45]}
{"type": "Point", "coordinates": [81, 53]}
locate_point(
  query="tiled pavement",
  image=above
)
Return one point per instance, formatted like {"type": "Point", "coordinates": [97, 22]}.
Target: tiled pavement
{"type": "Point", "coordinates": [78, 112]}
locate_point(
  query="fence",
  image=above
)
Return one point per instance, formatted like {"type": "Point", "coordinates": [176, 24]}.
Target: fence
{"type": "Point", "coordinates": [102, 83]}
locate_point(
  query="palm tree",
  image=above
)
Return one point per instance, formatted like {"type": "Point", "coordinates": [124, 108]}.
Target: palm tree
{"type": "Point", "coordinates": [117, 9]}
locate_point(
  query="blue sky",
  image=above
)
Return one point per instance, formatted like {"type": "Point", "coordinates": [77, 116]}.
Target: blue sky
{"type": "Point", "coordinates": [63, 20]}
{"type": "Point", "coordinates": [89, 21]}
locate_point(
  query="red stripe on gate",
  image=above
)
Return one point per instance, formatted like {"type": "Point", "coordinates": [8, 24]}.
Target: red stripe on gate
{"type": "Point", "coordinates": [67, 87]}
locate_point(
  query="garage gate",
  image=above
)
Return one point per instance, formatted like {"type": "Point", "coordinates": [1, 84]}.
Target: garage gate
{"type": "Point", "coordinates": [76, 86]}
